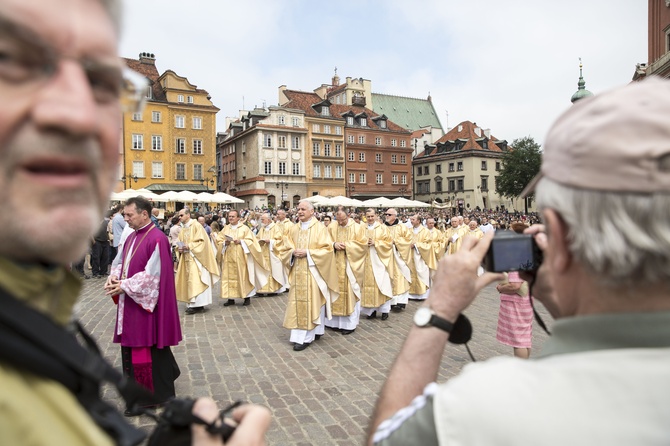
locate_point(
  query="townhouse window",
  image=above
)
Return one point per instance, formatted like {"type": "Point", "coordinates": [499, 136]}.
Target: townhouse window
{"type": "Point", "coordinates": [350, 120]}
{"type": "Point", "coordinates": [338, 172]}
{"type": "Point", "coordinates": [361, 140]}
{"type": "Point", "coordinates": [282, 168]}
{"type": "Point", "coordinates": [327, 172]}
{"type": "Point", "coordinates": [179, 121]}
{"type": "Point", "coordinates": [483, 165]}
{"type": "Point", "coordinates": [316, 149]}
{"type": "Point", "coordinates": [338, 150]}
{"type": "Point", "coordinates": [295, 142]}
{"type": "Point", "coordinates": [459, 166]}
{"type": "Point", "coordinates": [267, 140]}
{"type": "Point", "coordinates": [438, 168]}
{"type": "Point", "coordinates": [197, 123]}
{"type": "Point", "coordinates": [459, 184]}
{"type": "Point", "coordinates": [394, 178]}
{"type": "Point", "coordinates": [180, 145]}
{"type": "Point", "coordinates": [361, 157]}
{"type": "Point", "coordinates": [364, 122]}
{"type": "Point", "coordinates": [352, 177]}
{"type": "Point", "coordinates": [403, 143]}
{"type": "Point", "coordinates": [325, 111]}
{"type": "Point", "coordinates": [382, 124]}
{"type": "Point", "coordinates": [267, 167]}
{"type": "Point", "coordinates": [197, 146]}
{"type": "Point", "coordinates": [350, 139]}
{"type": "Point", "coordinates": [361, 178]}
{"type": "Point", "coordinates": [338, 130]}
{"type": "Point", "coordinates": [189, 99]}
{"type": "Point", "coordinates": [316, 128]}
{"type": "Point", "coordinates": [438, 185]}
{"type": "Point", "coordinates": [155, 116]}
{"type": "Point", "coordinates": [138, 142]}
{"type": "Point", "coordinates": [326, 149]}
{"type": "Point", "coordinates": [326, 129]}
{"type": "Point", "coordinates": [138, 169]}
{"type": "Point", "coordinates": [403, 179]}
{"type": "Point", "coordinates": [380, 178]}
{"type": "Point", "coordinates": [156, 142]}
{"type": "Point", "coordinates": [180, 171]}
{"type": "Point", "coordinates": [378, 157]}
{"type": "Point", "coordinates": [137, 116]}
{"type": "Point", "coordinates": [180, 98]}
{"type": "Point", "coordinates": [317, 170]}
{"type": "Point", "coordinates": [497, 166]}
{"type": "Point", "coordinates": [295, 121]}
{"type": "Point", "coordinates": [378, 141]}
{"type": "Point", "coordinates": [485, 184]}
{"type": "Point", "coordinates": [394, 159]}
{"type": "Point", "coordinates": [452, 185]}
{"type": "Point", "coordinates": [403, 159]}
{"type": "Point", "coordinates": [419, 171]}
{"type": "Point", "coordinates": [394, 142]}
{"type": "Point", "coordinates": [281, 142]}
{"type": "Point", "coordinates": [296, 168]}
{"type": "Point", "coordinates": [351, 156]}
{"type": "Point", "coordinates": [197, 171]}
{"type": "Point", "coordinates": [451, 167]}
{"type": "Point", "coordinates": [426, 170]}
{"type": "Point", "coordinates": [281, 120]}
{"type": "Point", "coordinates": [156, 169]}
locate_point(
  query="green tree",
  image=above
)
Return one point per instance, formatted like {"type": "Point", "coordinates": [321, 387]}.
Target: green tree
{"type": "Point", "coordinates": [519, 165]}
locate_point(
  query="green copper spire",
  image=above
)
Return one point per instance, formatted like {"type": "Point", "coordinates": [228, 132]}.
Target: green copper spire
{"type": "Point", "coordinates": [581, 92]}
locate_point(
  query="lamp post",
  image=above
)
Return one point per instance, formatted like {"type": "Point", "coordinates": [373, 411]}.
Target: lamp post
{"type": "Point", "coordinates": [130, 180]}
{"type": "Point", "coordinates": [206, 183]}
{"type": "Point", "coordinates": [282, 185]}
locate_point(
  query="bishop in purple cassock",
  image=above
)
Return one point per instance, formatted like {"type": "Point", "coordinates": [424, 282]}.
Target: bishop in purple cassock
{"type": "Point", "coordinates": [147, 321]}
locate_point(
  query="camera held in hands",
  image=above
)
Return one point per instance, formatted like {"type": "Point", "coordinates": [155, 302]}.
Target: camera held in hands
{"type": "Point", "coordinates": [510, 251]}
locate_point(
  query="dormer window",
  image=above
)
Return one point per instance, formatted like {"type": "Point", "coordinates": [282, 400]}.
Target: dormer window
{"type": "Point", "coordinates": [350, 120]}
{"type": "Point", "coordinates": [364, 122]}
{"type": "Point", "coordinates": [325, 111]}
{"type": "Point", "coordinates": [382, 124]}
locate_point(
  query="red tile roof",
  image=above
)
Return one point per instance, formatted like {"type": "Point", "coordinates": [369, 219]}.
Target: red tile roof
{"type": "Point", "coordinates": [467, 135]}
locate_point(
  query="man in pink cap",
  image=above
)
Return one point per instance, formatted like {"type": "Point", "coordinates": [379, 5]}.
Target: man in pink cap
{"type": "Point", "coordinates": [604, 195]}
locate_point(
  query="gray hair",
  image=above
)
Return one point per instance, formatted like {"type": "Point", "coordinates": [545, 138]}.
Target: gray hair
{"type": "Point", "coordinates": [623, 238]}
{"type": "Point", "coordinates": [114, 9]}
{"type": "Point", "coordinates": [308, 203]}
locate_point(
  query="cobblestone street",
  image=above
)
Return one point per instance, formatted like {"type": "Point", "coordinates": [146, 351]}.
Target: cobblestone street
{"type": "Point", "coordinates": [323, 395]}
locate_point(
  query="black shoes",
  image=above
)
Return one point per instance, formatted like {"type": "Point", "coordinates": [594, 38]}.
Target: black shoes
{"type": "Point", "coordinates": [134, 412]}
{"type": "Point", "coordinates": [229, 302]}
{"type": "Point", "coordinates": [300, 347]}
{"type": "Point", "coordinates": [347, 332]}
{"type": "Point", "coordinates": [317, 337]}
{"type": "Point", "coordinates": [247, 301]}
{"type": "Point", "coordinates": [373, 315]}
{"type": "Point", "coordinates": [194, 310]}
{"type": "Point", "coordinates": [385, 316]}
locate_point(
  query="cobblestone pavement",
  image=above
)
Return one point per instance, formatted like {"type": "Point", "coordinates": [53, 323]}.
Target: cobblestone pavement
{"type": "Point", "coordinates": [323, 395]}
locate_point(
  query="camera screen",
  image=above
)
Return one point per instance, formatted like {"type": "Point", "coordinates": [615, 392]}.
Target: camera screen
{"type": "Point", "coordinates": [513, 254]}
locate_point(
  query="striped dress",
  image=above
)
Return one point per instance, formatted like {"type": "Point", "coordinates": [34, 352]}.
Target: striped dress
{"type": "Point", "coordinates": [515, 319]}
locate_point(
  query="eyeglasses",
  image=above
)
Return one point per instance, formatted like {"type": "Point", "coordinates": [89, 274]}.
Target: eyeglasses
{"type": "Point", "coordinates": [27, 60]}
{"type": "Point", "coordinates": [389, 214]}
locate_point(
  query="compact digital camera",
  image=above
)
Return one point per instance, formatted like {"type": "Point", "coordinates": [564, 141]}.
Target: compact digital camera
{"type": "Point", "coordinates": [510, 251]}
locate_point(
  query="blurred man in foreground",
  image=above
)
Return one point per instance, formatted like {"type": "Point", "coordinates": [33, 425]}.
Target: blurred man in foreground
{"type": "Point", "coordinates": [604, 194]}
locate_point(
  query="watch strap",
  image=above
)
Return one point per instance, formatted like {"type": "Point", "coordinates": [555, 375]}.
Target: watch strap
{"type": "Point", "coordinates": [441, 323]}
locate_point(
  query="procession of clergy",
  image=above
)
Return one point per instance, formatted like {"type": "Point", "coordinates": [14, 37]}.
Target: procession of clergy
{"type": "Point", "coordinates": [332, 274]}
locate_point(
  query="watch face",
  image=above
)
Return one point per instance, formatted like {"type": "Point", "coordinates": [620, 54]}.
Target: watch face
{"type": "Point", "coordinates": [422, 316]}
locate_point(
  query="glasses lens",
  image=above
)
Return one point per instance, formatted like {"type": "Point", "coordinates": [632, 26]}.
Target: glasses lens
{"type": "Point", "coordinates": [134, 92]}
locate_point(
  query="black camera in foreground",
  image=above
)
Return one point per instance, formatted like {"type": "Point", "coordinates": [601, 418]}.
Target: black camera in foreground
{"type": "Point", "coordinates": [510, 251]}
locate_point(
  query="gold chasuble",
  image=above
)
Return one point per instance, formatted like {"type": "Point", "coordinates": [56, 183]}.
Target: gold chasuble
{"type": "Point", "coordinates": [278, 277]}
{"type": "Point", "coordinates": [422, 261]}
{"type": "Point", "coordinates": [454, 237]}
{"type": "Point", "coordinates": [439, 242]}
{"type": "Point", "coordinates": [311, 286]}
{"type": "Point", "coordinates": [400, 274]}
{"type": "Point", "coordinates": [241, 271]}
{"type": "Point", "coordinates": [477, 233]}
{"type": "Point", "coordinates": [350, 265]}
{"type": "Point", "coordinates": [201, 254]}
{"type": "Point", "coordinates": [377, 286]}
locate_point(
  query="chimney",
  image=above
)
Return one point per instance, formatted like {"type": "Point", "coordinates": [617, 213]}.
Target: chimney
{"type": "Point", "coordinates": [487, 133]}
{"type": "Point", "coordinates": [148, 58]}
{"type": "Point", "coordinates": [478, 132]}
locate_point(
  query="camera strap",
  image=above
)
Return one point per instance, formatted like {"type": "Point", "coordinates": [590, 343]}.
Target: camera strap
{"type": "Point", "coordinates": [31, 341]}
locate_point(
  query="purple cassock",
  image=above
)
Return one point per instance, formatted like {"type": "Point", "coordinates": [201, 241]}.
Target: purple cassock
{"type": "Point", "coordinates": [148, 323]}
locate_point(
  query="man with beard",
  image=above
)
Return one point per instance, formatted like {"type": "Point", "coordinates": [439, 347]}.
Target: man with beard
{"type": "Point", "coordinates": [243, 269]}
{"type": "Point", "coordinates": [197, 270]}
{"type": "Point", "coordinates": [401, 276]}
{"type": "Point", "coordinates": [62, 85]}
{"type": "Point", "coordinates": [350, 249]}
{"type": "Point", "coordinates": [313, 278]}
{"type": "Point", "coordinates": [270, 235]}
{"type": "Point", "coordinates": [147, 321]}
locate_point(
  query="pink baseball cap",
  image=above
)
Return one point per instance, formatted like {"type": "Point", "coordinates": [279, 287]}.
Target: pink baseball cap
{"type": "Point", "coordinates": [617, 141]}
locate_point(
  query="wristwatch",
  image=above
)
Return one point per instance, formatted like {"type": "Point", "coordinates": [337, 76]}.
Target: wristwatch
{"type": "Point", "coordinates": [426, 317]}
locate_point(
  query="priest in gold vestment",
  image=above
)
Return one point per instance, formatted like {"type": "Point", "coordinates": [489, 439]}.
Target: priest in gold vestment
{"type": "Point", "coordinates": [197, 270]}
{"type": "Point", "coordinates": [439, 242]}
{"type": "Point", "coordinates": [454, 235]}
{"type": "Point", "coordinates": [377, 289]}
{"type": "Point", "coordinates": [350, 244]}
{"type": "Point", "coordinates": [269, 236]}
{"type": "Point", "coordinates": [400, 273]}
{"type": "Point", "coordinates": [422, 261]}
{"type": "Point", "coordinates": [243, 268]}
{"type": "Point", "coordinates": [312, 279]}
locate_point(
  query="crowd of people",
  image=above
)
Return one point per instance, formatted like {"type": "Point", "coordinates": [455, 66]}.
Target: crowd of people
{"type": "Point", "coordinates": [603, 195]}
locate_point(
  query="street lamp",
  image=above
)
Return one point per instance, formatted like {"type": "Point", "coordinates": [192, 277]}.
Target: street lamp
{"type": "Point", "coordinates": [282, 185]}
{"type": "Point", "coordinates": [204, 182]}
{"type": "Point", "coordinates": [130, 179]}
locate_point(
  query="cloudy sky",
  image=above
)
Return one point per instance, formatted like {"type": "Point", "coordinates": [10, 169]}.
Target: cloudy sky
{"type": "Point", "coordinates": [509, 65]}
